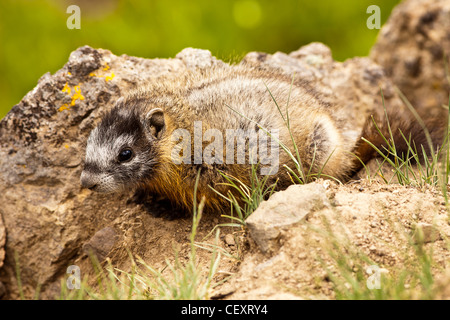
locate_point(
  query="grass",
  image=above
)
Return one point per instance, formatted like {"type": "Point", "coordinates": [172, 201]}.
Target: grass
{"type": "Point", "coordinates": [349, 272]}
{"type": "Point", "coordinates": [250, 196]}
{"type": "Point", "coordinates": [433, 168]}
{"type": "Point", "coordinates": [411, 169]}
{"type": "Point", "coordinates": [298, 174]}
{"type": "Point", "coordinates": [414, 278]}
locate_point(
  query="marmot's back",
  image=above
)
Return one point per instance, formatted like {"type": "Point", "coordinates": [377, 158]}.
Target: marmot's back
{"type": "Point", "coordinates": [238, 97]}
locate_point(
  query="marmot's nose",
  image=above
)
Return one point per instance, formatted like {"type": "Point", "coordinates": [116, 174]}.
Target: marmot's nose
{"type": "Point", "coordinates": [87, 181]}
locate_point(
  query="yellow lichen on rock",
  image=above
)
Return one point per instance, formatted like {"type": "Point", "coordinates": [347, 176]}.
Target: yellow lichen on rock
{"type": "Point", "coordinates": [76, 96]}
{"type": "Point", "coordinates": [66, 88]}
{"type": "Point", "coordinates": [106, 77]}
{"type": "Point", "coordinates": [65, 106]}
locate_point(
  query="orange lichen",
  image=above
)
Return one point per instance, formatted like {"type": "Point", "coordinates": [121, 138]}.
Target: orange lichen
{"type": "Point", "coordinates": [106, 77]}
{"type": "Point", "coordinates": [65, 106]}
{"type": "Point", "coordinates": [110, 77]}
{"type": "Point", "coordinates": [76, 96]}
{"type": "Point", "coordinates": [66, 88]}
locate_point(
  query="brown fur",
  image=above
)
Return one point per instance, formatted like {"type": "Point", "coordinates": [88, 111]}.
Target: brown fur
{"type": "Point", "coordinates": [310, 124]}
{"type": "Point", "coordinates": [395, 127]}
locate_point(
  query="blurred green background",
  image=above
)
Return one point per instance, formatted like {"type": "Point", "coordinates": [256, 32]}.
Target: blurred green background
{"type": "Point", "coordinates": [34, 38]}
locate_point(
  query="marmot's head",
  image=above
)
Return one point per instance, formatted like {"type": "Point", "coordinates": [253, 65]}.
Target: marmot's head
{"type": "Point", "coordinates": [123, 149]}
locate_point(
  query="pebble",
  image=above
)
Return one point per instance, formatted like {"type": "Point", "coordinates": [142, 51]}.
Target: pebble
{"type": "Point", "coordinates": [229, 240]}
{"type": "Point", "coordinates": [426, 232]}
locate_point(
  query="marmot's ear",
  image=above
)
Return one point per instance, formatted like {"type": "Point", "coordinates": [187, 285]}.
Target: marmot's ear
{"type": "Point", "coordinates": [155, 122]}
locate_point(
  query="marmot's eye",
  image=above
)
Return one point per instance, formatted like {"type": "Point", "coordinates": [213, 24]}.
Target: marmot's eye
{"type": "Point", "coordinates": [125, 155]}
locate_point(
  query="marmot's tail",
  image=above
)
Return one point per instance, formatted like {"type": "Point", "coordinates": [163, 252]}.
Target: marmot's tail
{"type": "Point", "coordinates": [403, 131]}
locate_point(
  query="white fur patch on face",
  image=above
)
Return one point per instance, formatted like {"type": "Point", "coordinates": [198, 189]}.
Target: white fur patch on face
{"type": "Point", "coordinates": [100, 182]}
{"type": "Point", "coordinates": [96, 151]}
{"type": "Point", "coordinates": [123, 141]}
{"type": "Point", "coordinates": [102, 153]}
{"type": "Point", "coordinates": [106, 183]}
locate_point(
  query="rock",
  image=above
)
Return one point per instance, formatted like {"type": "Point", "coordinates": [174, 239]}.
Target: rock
{"type": "Point", "coordinates": [84, 60]}
{"type": "Point", "coordinates": [412, 47]}
{"type": "Point", "coordinates": [425, 233]}
{"type": "Point", "coordinates": [229, 240]}
{"type": "Point", "coordinates": [101, 243]}
{"type": "Point", "coordinates": [41, 150]}
{"type": "Point", "coordinates": [197, 58]}
{"type": "Point", "coordinates": [282, 210]}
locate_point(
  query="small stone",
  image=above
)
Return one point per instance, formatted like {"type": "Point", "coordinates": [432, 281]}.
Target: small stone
{"type": "Point", "coordinates": [425, 233]}
{"type": "Point", "coordinates": [282, 210]}
{"type": "Point", "coordinates": [229, 240]}
{"type": "Point", "coordinates": [196, 58]}
{"type": "Point", "coordinates": [101, 243]}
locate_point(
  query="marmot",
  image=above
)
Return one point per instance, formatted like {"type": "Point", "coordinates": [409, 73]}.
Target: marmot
{"type": "Point", "coordinates": [149, 140]}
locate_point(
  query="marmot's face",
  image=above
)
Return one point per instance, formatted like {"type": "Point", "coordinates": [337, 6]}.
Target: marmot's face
{"type": "Point", "coordinates": [120, 152]}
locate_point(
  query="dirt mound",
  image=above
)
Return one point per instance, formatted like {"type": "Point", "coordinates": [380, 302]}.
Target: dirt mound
{"type": "Point", "coordinates": [367, 225]}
